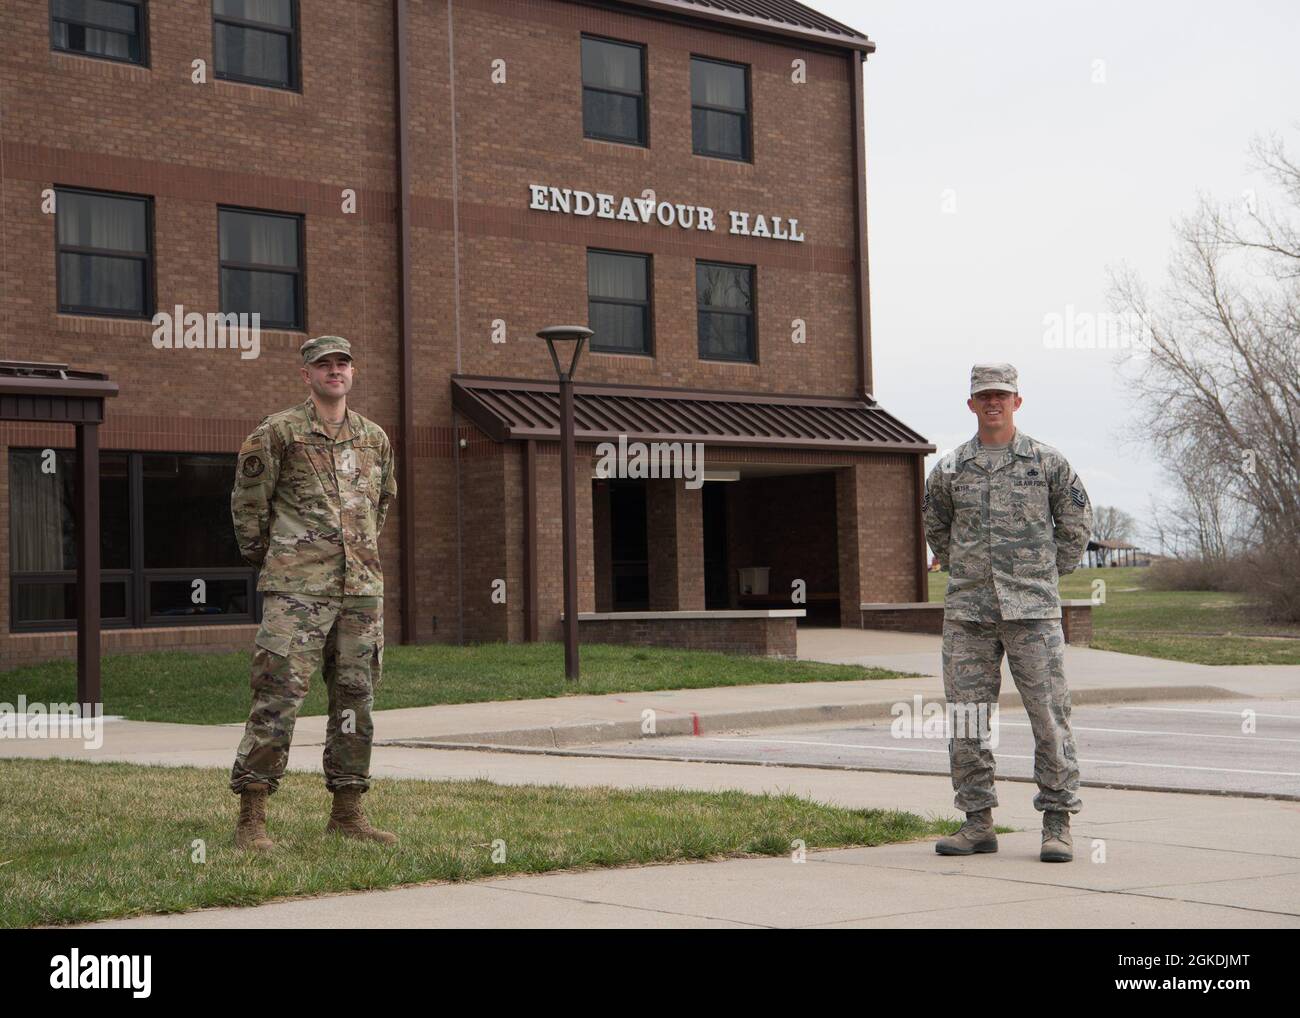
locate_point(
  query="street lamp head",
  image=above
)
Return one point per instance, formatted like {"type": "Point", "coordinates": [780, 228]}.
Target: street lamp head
{"type": "Point", "coordinates": [577, 334]}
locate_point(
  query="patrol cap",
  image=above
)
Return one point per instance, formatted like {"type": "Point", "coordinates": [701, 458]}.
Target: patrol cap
{"type": "Point", "coordinates": [993, 376]}
{"type": "Point", "coordinates": [322, 346]}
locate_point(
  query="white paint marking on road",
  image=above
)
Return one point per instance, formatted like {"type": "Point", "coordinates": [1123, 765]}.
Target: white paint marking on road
{"type": "Point", "coordinates": [1196, 710]}
{"type": "Point", "coordinates": [1004, 756]}
{"type": "Point", "coordinates": [829, 745]}
{"type": "Point", "coordinates": [1143, 731]}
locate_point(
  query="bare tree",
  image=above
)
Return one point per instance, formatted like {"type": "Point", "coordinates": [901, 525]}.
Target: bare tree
{"type": "Point", "coordinates": [1220, 393]}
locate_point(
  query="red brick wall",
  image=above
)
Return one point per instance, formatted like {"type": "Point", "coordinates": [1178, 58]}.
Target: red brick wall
{"type": "Point", "coordinates": [675, 544]}
{"type": "Point", "coordinates": [529, 130]}
{"type": "Point", "coordinates": [877, 521]}
{"type": "Point", "coordinates": [922, 620]}
{"type": "Point", "coordinates": [550, 539]}
{"type": "Point", "coordinates": [83, 122]}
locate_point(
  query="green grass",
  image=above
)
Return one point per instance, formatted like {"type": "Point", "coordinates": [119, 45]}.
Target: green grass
{"type": "Point", "coordinates": [1201, 626]}
{"type": "Point", "coordinates": [90, 841]}
{"type": "Point", "coordinates": [213, 688]}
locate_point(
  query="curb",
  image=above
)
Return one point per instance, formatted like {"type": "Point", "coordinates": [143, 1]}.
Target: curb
{"type": "Point", "coordinates": [589, 733]}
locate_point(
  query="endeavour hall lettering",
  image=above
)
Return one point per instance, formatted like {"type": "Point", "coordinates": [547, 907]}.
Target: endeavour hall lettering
{"type": "Point", "coordinates": [666, 213]}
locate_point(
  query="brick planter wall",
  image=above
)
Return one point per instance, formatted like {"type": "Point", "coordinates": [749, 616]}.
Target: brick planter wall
{"type": "Point", "coordinates": [30, 648]}
{"type": "Point", "coordinates": [754, 633]}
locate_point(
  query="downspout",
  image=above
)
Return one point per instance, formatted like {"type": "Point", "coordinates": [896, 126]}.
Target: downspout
{"type": "Point", "coordinates": [406, 468]}
{"type": "Point", "coordinates": [530, 541]}
{"type": "Point", "coordinates": [866, 383]}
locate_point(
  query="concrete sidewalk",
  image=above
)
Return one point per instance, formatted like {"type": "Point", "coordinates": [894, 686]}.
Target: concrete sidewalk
{"type": "Point", "coordinates": [1087, 670]}
{"type": "Point", "coordinates": [1142, 859]}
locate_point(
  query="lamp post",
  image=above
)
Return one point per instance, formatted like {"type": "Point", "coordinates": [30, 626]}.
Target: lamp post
{"type": "Point", "coordinates": [576, 334]}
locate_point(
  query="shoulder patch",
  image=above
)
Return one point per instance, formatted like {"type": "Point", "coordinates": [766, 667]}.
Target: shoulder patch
{"type": "Point", "coordinates": [1077, 496]}
{"type": "Point", "coordinates": [925, 502]}
{"type": "Point", "coordinates": [253, 466]}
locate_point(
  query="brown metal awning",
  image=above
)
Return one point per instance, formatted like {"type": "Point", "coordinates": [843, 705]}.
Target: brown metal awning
{"type": "Point", "coordinates": [55, 393]}
{"type": "Point", "coordinates": [516, 408]}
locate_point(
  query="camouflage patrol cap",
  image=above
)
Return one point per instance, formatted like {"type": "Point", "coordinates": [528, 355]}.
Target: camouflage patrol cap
{"type": "Point", "coordinates": [314, 349]}
{"type": "Point", "coordinates": [993, 376]}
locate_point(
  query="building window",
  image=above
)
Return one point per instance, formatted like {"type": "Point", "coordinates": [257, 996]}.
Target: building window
{"type": "Point", "coordinates": [720, 109]}
{"type": "Point", "coordinates": [256, 41]}
{"type": "Point", "coordinates": [725, 306]}
{"type": "Point", "coordinates": [105, 253]}
{"type": "Point", "coordinates": [618, 302]}
{"type": "Point", "coordinates": [167, 548]}
{"type": "Point", "coordinates": [261, 266]}
{"type": "Point", "coordinates": [613, 91]}
{"type": "Point", "coordinates": [110, 29]}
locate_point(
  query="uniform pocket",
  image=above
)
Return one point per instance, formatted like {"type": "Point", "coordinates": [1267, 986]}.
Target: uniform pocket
{"type": "Point", "coordinates": [274, 642]}
{"type": "Point", "coordinates": [1030, 504]}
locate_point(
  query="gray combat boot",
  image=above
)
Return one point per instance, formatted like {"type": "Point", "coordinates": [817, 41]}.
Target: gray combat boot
{"type": "Point", "coordinates": [1057, 846]}
{"type": "Point", "coordinates": [975, 835]}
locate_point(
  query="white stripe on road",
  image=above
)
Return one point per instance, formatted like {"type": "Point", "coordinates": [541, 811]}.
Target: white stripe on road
{"type": "Point", "coordinates": [1004, 756]}
{"type": "Point", "coordinates": [1143, 731]}
{"type": "Point", "coordinates": [1196, 710]}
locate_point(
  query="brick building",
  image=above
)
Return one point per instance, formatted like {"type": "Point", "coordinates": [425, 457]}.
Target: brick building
{"type": "Point", "coordinates": [437, 181]}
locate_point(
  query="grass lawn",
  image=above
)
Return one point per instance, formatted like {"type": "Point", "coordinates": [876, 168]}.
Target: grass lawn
{"type": "Point", "coordinates": [105, 840]}
{"type": "Point", "coordinates": [1202, 626]}
{"type": "Point", "coordinates": [213, 688]}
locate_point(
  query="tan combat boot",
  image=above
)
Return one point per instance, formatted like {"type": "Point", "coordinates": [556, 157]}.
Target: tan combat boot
{"type": "Point", "coordinates": [250, 831]}
{"type": "Point", "coordinates": [1057, 846]}
{"type": "Point", "coordinates": [348, 819]}
{"type": "Point", "coordinates": [975, 835]}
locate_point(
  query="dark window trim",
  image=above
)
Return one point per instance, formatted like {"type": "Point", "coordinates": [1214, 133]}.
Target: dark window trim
{"type": "Point", "coordinates": [648, 304]}
{"type": "Point", "coordinates": [150, 576]}
{"type": "Point", "coordinates": [643, 95]}
{"type": "Point", "coordinates": [751, 314]}
{"type": "Point", "coordinates": [294, 31]}
{"type": "Point", "coordinates": [150, 291]}
{"type": "Point", "coordinates": [142, 23]}
{"type": "Point", "coordinates": [137, 577]}
{"type": "Point", "coordinates": [300, 290]}
{"type": "Point", "coordinates": [746, 115]}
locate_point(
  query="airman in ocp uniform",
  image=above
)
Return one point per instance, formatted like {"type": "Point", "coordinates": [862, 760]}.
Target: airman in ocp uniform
{"type": "Point", "coordinates": [312, 489]}
{"type": "Point", "coordinates": [1007, 516]}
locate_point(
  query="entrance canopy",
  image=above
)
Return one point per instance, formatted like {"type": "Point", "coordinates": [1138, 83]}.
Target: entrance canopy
{"type": "Point", "coordinates": [514, 409]}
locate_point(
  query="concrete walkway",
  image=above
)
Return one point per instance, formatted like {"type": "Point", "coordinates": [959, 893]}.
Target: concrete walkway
{"type": "Point", "coordinates": [1087, 670]}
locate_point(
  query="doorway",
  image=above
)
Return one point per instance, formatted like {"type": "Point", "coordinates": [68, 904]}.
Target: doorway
{"type": "Point", "coordinates": [717, 592]}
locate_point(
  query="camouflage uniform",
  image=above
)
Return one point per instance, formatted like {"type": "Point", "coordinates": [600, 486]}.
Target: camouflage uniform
{"type": "Point", "coordinates": [1006, 526]}
{"type": "Point", "coordinates": [308, 509]}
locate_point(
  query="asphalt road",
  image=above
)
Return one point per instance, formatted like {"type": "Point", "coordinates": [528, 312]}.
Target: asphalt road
{"type": "Point", "coordinates": [1203, 746]}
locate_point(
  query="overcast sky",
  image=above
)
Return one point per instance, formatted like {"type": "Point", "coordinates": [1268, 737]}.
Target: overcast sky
{"type": "Point", "coordinates": [992, 110]}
